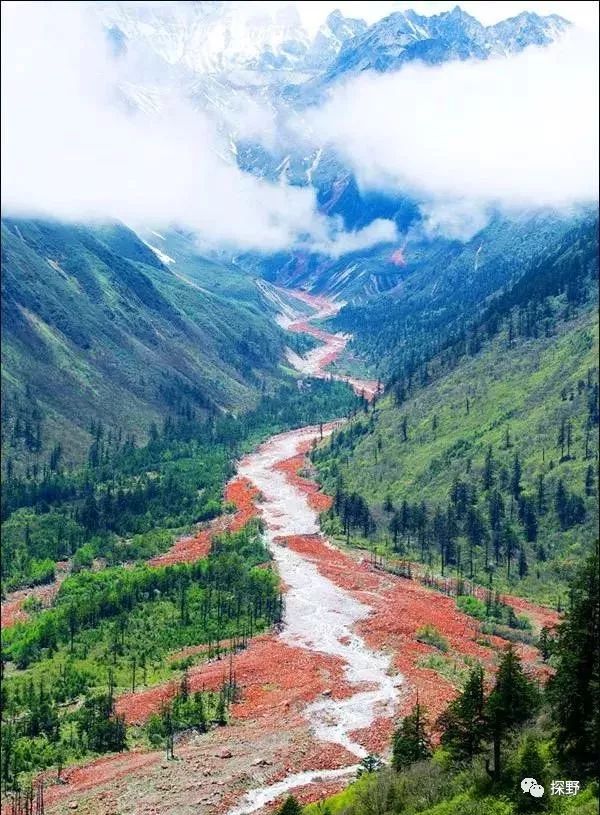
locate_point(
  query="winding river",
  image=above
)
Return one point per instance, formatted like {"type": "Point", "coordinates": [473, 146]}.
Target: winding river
{"type": "Point", "coordinates": [320, 616]}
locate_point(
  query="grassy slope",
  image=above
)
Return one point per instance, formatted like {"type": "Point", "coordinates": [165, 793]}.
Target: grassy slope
{"type": "Point", "coordinates": [96, 327]}
{"type": "Point", "coordinates": [432, 789]}
{"type": "Point", "coordinates": [520, 389]}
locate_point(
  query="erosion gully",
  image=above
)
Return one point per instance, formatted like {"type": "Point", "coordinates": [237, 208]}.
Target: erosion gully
{"type": "Point", "coordinates": [321, 693]}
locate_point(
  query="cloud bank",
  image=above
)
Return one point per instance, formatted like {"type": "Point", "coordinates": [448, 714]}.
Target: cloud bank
{"type": "Point", "coordinates": [71, 151]}
{"type": "Point", "coordinates": [464, 138]}
{"type": "Point", "coordinates": [467, 137]}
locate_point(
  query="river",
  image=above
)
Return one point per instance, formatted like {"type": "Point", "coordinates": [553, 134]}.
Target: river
{"type": "Point", "coordinates": [319, 615]}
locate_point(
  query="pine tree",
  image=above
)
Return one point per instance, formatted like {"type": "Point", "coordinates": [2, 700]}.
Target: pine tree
{"type": "Point", "coordinates": [411, 741]}
{"type": "Point", "coordinates": [369, 764]}
{"type": "Point", "coordinates": [404, 428]}
{"type": "Point", "coordinates": [488, 470]}
{"type": "Point", "coordinates": [545, 643]}
{"type": "Point", "coordinates": [528, 518]}
{"type": "Point", "coordinates": [541, 495]}
{"type": "Point", "coordinates": [463, 724]}
{"type": "Point", "coordinates": [562, 437]}
{"type": "Point", "coordinates": [590, 480]}
{"type": "Point", "coordinates": [561, 503]}
{"type": "Point", "coordinates": [290, 807]}
{"type": "Point", "coordinates": [513, 700]}
{"type": "Point", "coordinates": [394, 527]}
{"type": "Point", "coordinates": [575, 689]}
{"type": "Point", "coordinates": [184, 686]}
{"type": "Point", "coordinates": [221, 711]}
{"type": "Point", "coordinates": [200, 712]}
{"type": "Point", "coordinates": [166, 717]}
{"type": "Point", "coordinates": [523, 566]}
{"type": "Point", "coordinates": [529, 764]}
{"type": "Point", "coordinates": [515, 478]}
{"type": "Point", "coordinates": [510, 544]}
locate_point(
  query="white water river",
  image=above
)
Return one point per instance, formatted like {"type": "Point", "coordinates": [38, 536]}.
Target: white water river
{"type": "Point", "coordinates": [320, 616]}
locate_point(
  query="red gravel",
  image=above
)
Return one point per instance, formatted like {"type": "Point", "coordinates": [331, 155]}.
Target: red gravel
{"type": "Point", "coordinates": [189, 549]}
{"type": "Point", "coordinates": [273, 678]}
{"type": "Point", "coordinates": [401, 606]}
{"type": "Point", "coordinates": [316, 499]}
{"type": "Point", "coordinates": [12, 610]}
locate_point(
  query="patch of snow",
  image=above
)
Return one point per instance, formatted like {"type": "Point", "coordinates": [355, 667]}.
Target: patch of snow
{"type": "Point", "coordinates": [160, 255]}
{"type": "Point", "coordinates": [477, 253]}
{"type": "Point", "coordinates": [314, 165]}
{"type": "Point", "coordinates": [283, 169]}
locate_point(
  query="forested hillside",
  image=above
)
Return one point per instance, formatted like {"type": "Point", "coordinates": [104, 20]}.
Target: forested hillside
{"type": "Point", "coordinates": [128, 502]}
{"type": "Point", "coordinates": [131, 620]}
{"type": "Point", "coordinates": [442, 285]}
{"type": "Point", "coordinates": [97, 331]}
{"type": "Point", "coordinates": [481, 460]}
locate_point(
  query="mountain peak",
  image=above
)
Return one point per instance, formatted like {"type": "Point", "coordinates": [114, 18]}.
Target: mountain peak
{"type": "Point", "coordinates": [343, 26]}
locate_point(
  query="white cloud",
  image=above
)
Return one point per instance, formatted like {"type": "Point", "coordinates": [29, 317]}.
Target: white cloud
{"type": "Point", "coordinates": [69, 151]}
{"type": "Point", "coordinates": [341, 243]}
{"type": "Point", "coordinates": [514, 133]}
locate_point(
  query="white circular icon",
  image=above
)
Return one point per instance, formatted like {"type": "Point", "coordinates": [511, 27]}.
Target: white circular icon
{"type": "Point", "coordinates": [536, 790]}
{"type": "Point", "coordinates": [526, 784]}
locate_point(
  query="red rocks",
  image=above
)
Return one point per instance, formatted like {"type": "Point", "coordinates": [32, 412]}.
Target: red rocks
{"type": "Point", "coordinates": [191, 548]}
{"type": "Point", "coordinates": [270, 674]}
{"type": "Point", "coordinates": [12, 608]}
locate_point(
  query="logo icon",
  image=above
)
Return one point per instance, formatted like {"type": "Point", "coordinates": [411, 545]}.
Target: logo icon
{"type": "Point", "coordinates": [531, 786]}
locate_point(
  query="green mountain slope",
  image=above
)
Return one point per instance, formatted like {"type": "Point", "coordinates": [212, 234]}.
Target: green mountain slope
{"type": "Point", "coordinates": [443, 284]}
{"type": "Point", "coordinates": [96, 328]}
{"type": "Point", "coordinates": [482, 460]}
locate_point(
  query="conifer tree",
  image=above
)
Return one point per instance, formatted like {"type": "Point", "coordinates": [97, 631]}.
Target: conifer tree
{"type": "Point", "coordinates": [529, 764]}
{"type": "Point", "coordinates": [463, 723]}
{"type": "Point", "coordinates": [488, 470]}
{"type": "Point", "coordinates": [523, 566]}
{"type": "Point", "coordinates": [513, 700]}
{"type": "Point", "coordinates": [411, 741]}
{"type": "Point", "coordinates": [290, 807]}
{"type": "Point", "coordinates": [590, 481]}
{"type": "Point", "coordinates": [515, 478]}
{"type": "Point", "coordinates": [574, 690]}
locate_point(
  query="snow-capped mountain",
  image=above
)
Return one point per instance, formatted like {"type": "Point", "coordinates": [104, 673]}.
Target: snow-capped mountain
{"type": "Point", "coordinates": [226, 54]}
{"type": "Point", "coordinates": [225, 37]}
{"type": "Point", "coordinates": [407, 36]}
{"type": "Point", "coordinates": [235, 61]}
{"type": "Point", "coordinates": [333, 35]}
{"type": "Point", "coordinates": [258, 45]}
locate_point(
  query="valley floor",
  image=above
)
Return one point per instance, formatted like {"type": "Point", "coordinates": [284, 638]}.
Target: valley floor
{"type": "Point", "coordinates": [321, 693]}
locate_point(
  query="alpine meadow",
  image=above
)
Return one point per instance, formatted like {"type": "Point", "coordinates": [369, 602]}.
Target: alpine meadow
{"type": "Point", "coordinates": [300, 408]}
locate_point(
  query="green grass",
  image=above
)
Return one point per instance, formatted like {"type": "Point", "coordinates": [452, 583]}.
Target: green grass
{"type": "Point", "coordinates": [350, 364]}
{"type": "Point", "coordinates": [526, 391]}
{"type": "Point", "coordinates": [431, 636]}
{"type": "Point", "coordinates": [454, 670]}
{"type": "Point", "coordinates": [437, 788]}
{"type": "Point", "coordinates": [516, 390]}
{"type": "Point", "coordinates": [95, 327]}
